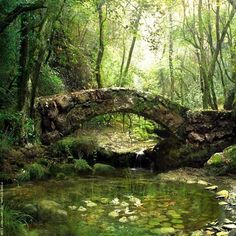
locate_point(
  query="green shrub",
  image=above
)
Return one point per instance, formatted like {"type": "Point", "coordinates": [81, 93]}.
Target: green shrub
{"type": "Point", "coordinates": [11, 125]}
{"type": "Point", "coordinates": [75, 146]}
{"type": "Point", "coordinates": [68, 169]}
{"type": "Point", "coordinates": [82, 167]}
{"type": "Point", "coordinates": [54, 169]}
{"type": "Point", "coordinates": [50, 83]}
{"type": "Point", "coordinates": [37, 171]}
{"type": "Point", "coordinates": [23, 176]}
{"type": "Point", "coordinates": [43, 161]}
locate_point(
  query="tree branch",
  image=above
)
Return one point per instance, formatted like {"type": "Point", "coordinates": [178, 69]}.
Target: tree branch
{"type": "Point", "coordinates": [11, 16]}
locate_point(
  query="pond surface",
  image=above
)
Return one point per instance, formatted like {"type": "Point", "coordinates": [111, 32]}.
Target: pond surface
{"type": "Point", "coordinates": [137, 204]}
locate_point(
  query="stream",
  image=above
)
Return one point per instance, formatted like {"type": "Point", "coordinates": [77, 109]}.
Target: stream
{"type": "Point", "coordinates": [135, 204]}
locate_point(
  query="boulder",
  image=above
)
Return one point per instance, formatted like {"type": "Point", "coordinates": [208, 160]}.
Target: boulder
{"type": "Point", "coordinates": [224, 161]}
{"type": "Point", "coordinates": [51, 210]}
{"type": "Point", "coordinates": [103, 169]}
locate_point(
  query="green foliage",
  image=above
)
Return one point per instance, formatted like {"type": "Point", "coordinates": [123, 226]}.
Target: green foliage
{"type": "Point", "coordinates": [43, 162]}
{"type": "Point", "coordinates": [68, 169]}
{"type": "Point", "coordinates": [78, 146]}
{"type": "Point", "coordinates": [11, 124]}
{"type": "Point", "coordinates": [5, 177]}
{"type": "Point", "coordinates": [81, 166]}
{"type": "Point", "coordinates": [14, 222]}
{"type": "Point", "coordinates": [50, 83]}
{"type": "Point", "coordinates": [23, 176]}
{"type": "Point", "coordinates": [37, 171]}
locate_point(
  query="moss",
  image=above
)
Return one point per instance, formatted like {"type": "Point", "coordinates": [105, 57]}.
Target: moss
{"type": "Point", "coordinates": [224, 162]}
{"type": "Point", "coordinates": [103, 169]}
{"type": "Point", "coordinates": [37, 171]}
{"type": "Point", "coordinates": [216, 160]}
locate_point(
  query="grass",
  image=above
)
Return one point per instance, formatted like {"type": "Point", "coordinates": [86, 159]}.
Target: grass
{"type": "Point", "coordinates": [15, 222]}
{"type": "Point", "coordinates": [37, 171]}
{"type": "Point", "coordinates": [33, 171]}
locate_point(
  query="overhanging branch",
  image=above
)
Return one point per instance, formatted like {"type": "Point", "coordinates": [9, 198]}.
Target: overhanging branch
{"type": "Point", "coordinates": [11, 16]}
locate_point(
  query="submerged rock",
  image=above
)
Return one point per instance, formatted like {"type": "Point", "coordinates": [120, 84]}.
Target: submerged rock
{"type": "Point", "coordinates": [202, 182]}
{"type": "Point", "coordinates": [90, 203]}
{"type": "Point", "coordinates": [73, 208]}
{"type": "Point", "coordinates": [164, 231]}
{"type": "Point", "coordinates": [123, 219]}
{"type": "Point", "coordinates": [114, 213]}
{"type": "Point", "coordinates": [115, 201]}
{"type": "Point", "coordinates": [82, 209]}
{"type": "Point", "coordinates": [51, 210]}
{"type": "Point", "coordinates": [124, 204]}
{"type": "Point", "coordinates": [133, 218]}
{"type": "Point", "coordinates": [213, 187]}
{"type": "Point", "coordinates": [229, 226]}
{"type": "Point", "coordinates": [222, 194]}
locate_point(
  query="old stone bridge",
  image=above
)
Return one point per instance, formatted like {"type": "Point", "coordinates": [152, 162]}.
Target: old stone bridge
{"type": "Point", "coordinates": [62, 114]}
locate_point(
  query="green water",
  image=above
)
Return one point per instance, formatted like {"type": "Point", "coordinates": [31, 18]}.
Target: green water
{"type": "Point", "coordinates": [144, 205]}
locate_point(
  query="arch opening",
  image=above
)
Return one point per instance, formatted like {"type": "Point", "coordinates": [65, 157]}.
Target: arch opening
{"type": "Point", "coordinates": [120, 139]}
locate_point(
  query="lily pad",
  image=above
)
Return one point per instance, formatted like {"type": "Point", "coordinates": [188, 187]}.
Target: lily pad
{"type": "Point", "coordinates": [177, 221]}
{"type": "Point", "coordinates": [154, 222]}
{"type": "Point", "coordinates": [178, 226]}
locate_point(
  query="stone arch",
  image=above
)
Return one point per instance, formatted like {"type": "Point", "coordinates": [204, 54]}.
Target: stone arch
{"type": "Point", "coordinates": [61, 114]}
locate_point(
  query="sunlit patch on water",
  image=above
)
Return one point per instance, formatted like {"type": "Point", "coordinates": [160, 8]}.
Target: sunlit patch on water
{"type": "Point", "coordinates": [136, 205]}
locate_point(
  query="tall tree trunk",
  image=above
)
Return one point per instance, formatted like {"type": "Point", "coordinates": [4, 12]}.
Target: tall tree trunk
{"type": "Point", "coordinates": [35, 79]}
{"type": "Point", "coordinates": [122, 64]}
{"type": "Point", "coordinates": [135, 32]}
{"type": "Point", "coordinates": [101, 46]}
{"type": "Point", "coordinates": [206, 96]}
{"type": "Point", "coordinates": [171, 67]}
{"type": "Point", "coordinates": [23, 78]}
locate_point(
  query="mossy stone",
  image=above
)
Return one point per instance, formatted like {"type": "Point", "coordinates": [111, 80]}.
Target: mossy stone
{"type": "Point", "coordinates": [103, 169]}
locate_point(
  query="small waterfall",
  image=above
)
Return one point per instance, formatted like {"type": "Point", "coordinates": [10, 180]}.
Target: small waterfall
{"type": "Point", "coordinates": [138, 159]}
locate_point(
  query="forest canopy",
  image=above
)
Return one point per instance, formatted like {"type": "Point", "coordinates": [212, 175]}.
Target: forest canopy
{"type": "Point", "coordinates": [181, 49]}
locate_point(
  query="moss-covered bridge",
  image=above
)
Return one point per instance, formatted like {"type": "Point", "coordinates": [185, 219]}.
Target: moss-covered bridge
{"type": "Point", "coordinates": [62, 114]}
